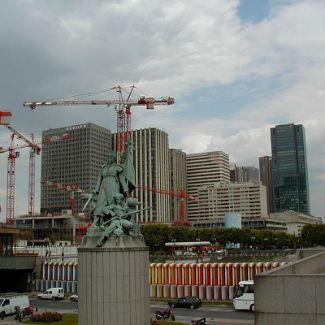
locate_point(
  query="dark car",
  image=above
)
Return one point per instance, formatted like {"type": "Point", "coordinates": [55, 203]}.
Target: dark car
{"type": "Point", "coordinates": [185, 302]}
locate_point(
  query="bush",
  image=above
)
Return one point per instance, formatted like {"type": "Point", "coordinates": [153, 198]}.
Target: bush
{"type": "Point", "coordinates": [47, 317]}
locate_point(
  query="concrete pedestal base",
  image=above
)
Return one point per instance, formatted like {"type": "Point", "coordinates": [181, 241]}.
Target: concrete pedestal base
{"type": "Point", "coordinates": [113, 282]}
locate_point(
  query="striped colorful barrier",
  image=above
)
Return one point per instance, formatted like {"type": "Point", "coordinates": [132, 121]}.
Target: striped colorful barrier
{"type": "Point", "coordinates": [212, 281]}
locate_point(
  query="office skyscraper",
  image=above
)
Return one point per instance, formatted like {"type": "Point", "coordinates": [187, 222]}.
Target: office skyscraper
{"type": "Point", "coordinates": [151, 161]}
{"type": "Point", "coordinates": [204, 169]}
{"type": "Point", "coordinates": [243, 174]}
{"type": "Point", "coordinates": [177, 182]}
{"type": "Point", "coordinates": [289, 168]}
{"type": "Point", "coordinates": [266, 179]}
{"type": "Point", "coordinates": [75, 161]}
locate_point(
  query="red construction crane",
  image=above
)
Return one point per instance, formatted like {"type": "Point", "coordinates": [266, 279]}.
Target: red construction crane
{"type": "Point", "coordinates": [72, 188]}
{"type": "Point", "coordinates": [123, 109]}
{"type": "Point", "coordinates": [12, 155]}
{"type": "Point", "coordinates": [181, 195]}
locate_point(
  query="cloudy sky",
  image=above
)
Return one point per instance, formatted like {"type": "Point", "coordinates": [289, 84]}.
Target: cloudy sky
{"type": "Point", "coordinates": [235, 67]}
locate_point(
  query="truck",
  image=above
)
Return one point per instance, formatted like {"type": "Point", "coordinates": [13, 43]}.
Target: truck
{"type": "Point", "coordinates": [8, 302]}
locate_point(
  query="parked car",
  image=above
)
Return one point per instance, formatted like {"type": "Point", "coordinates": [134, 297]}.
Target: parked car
{"type": "Point", "coordinates": [74, 298]}
{"type": "Point", "coordinates": [185, 302]}
{"type": "Point", "coordinates": [52, 293]}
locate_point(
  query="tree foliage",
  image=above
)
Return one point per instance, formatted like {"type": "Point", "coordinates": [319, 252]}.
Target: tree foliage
{"type": "Point", "coordinates": [156, 235]}
{"type": "Point", "coordinates": [313, 235]}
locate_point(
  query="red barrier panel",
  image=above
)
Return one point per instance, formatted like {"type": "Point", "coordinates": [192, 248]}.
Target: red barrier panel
{"type": "Point", "coordinates": [228, 274]}
{"type": "Point", "coordinates": [236, 273]}
{"type": "Point", "coordinates": [199, 274]}
{"type": "Point", "coordinates": [193, 274]}
{"type": "Point", "coordinates": [221, 275]}
{"type": "Point", "coordinates": [215, 273]}
{"type": "Point", "coordinates": [251, 271]}
{"type": "Point", "coordinates": [243, 271]}
{"type": "Point", "coordinates": [207, 276]}
{"type": "Point", "coordinates": [179, 278]}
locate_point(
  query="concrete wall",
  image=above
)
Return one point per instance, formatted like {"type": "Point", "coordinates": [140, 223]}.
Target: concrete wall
{"type": "Point", "coordinates": [113, 286]}
{"type": "Point", "coordinates": [292, 294]}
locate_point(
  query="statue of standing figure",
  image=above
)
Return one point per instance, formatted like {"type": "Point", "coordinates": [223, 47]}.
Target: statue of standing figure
{"type": "Point", "coordinates": [113, 207]}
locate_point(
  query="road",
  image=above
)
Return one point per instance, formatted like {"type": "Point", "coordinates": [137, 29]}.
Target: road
{"type": "Point", "coordinates": [213, 314]}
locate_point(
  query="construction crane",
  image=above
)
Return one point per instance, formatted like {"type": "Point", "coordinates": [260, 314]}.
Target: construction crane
{"type": "Point", "coordinates": [12, 156]}
{"type": "Point", "coordinates": [122, 107]}
{"type": "Point", "coordinates": [72, 188]}
{"type": "Point", "coordinates": [181, 195]}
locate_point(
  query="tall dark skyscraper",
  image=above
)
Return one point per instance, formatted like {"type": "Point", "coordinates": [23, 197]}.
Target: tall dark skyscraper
{"type": "Point", "coordinates": [289, 168]}
{"type": "Point", "coordinates": [265, 164]}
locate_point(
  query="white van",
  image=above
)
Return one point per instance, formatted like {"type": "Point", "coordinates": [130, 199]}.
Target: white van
{"type": "Point", "coordinates": [8, 302]}
{"type": "Point", "coordinates": [244, 296]}
{"type": "Point", "coordinates": [52, 294]}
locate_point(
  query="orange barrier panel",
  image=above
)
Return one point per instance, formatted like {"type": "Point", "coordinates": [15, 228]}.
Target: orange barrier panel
{"type": "Point", "coordinates": [172, 275]}
{"type": "Point", "coordinates": [152, 273]}
{"type": "Point", "coordinates": [165, 270]}
{"type": "Point", "coordinates": [179, 278]}
{"type": "Point", "coordinates": [186, 273]}
{"type": "Point", "coordinates": [158, 271]}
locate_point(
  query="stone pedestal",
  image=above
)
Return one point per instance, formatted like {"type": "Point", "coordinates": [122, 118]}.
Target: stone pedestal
{"type": "Point", "coordinates": [113, 282]}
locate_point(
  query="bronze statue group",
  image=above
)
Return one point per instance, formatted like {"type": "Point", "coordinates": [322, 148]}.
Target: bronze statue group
{"type": "Point", "coordinates": [113, 208]}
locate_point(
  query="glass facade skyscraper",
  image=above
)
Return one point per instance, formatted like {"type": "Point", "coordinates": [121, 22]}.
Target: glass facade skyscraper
{"type": "Point", "coordinates": [289, 168]}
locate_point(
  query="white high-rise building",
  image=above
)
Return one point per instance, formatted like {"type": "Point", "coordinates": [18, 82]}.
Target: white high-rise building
{"type": "Point", "coordinates": [204, 169]}
{"type": "Point", "coordinates": [248, 199]}
{"type": "Point", "coordinates": [151, 161]}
